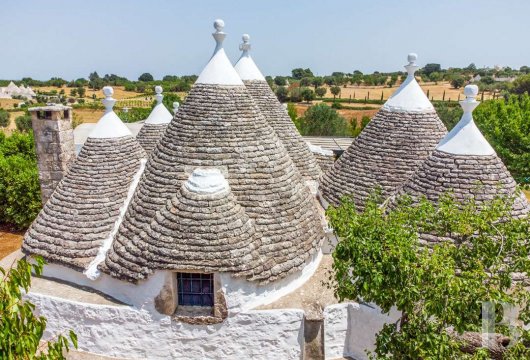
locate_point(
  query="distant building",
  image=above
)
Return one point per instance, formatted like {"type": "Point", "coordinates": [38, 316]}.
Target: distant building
{"type": "Point", "coordinates": [12, 90]}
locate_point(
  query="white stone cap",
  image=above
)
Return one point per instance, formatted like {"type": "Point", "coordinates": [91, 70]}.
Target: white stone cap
{"type": "Point", "coordinates": [319, 150]}
{"type": "Point", "coordinates": [465, 138]}
{"type": "Point", "coordinates": [409, 97]}
{"type": "Point", "coordinates": [245, 66]}
{"type": "Point", "coordinates": [176, 106]}
{"type": "Point", "coordinates": [219, 70]}
{"type": "Point", "coordinates": [110, 125]}
{"type": "Point", "coordinates": [160, 114]}
{"type": "Point", "coordinates": [206, 181]}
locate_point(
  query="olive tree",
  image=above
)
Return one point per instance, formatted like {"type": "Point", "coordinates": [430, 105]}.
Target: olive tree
{"type": "Point", "coordinates": [439, 290]}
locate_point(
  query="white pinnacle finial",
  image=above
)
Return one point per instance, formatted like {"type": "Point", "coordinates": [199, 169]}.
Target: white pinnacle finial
{"type": "Point", "coordinates": [218, 35]}
{"type": "Point", "coordinates": [176, 106]}
{"type": "Point", "coordinates": [108, 102]}
{"type": "Point", "coordinates": [158, 96]}
{"type": "Point", "coordinates": [245, 47]}
{"type": "Point", "coordinates": [470, 103]}
{"type": "Point", "coordinates": [412, 66]}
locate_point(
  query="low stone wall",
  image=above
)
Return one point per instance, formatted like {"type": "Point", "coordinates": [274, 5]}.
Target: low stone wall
{"type": "Point", "coordinates": [350, 328]}
{"type": "Point", "coordinates": [127, 332]}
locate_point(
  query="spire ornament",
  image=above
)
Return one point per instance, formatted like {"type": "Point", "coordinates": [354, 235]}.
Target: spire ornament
{"type": "Point", "coordinates": [109, 101]}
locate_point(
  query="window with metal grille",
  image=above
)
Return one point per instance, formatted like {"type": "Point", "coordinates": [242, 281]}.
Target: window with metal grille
{"type": "Point", "coordinates": [195, 289]}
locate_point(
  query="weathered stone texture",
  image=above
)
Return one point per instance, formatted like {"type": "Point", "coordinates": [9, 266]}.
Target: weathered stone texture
{"type": "Point", "coordinates": [277, 117]}
{"type": "Point", "coordinates": [149, 136]}
{"type": "Point", "coordinates": [54, 145]}
{"type": "Point", "coordinates": [82, 211]}
{"type": "Point", "coordinates": [388, 151]}
{"type": "Point", "coordinates": [219, 126]}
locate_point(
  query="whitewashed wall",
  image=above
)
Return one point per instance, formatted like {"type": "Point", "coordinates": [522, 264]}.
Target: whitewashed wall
{"type": "Point", "coordinates": [350, 328]}
{"type": "Point", "coordinates": [123, 331]}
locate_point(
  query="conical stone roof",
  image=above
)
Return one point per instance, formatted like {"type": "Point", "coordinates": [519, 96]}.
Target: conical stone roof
{"type": "Point", "coordinates": [466, 165]}
{"type": "Point", "coordinates": [275, 114]}
{"type": "Point", "coordinates": [77, 224]}
{"type": "Point", "coordinates": [155, 124]}
{"type": "Point", "coordinates": [391, 147]}
{"type": "Point", "coordinates": [219, 126]}
{"type": "Point", "coordinates": [203, 227]}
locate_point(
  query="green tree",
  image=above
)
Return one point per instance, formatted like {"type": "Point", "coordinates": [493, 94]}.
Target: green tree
{"type": "Point", "coordinates": [308, 95]}
{"type": "Point", "coordinates": [506, 125]}
{"type": "Point", "coordinates": [293, 114]}
{"type": "Point", "coordinates": [23, 123]}
{"type": "Point", "coordinates": [282, 93]}
{"type": "Point", "coordinates": [146, 77]}
{"type": "Point", "coordinates": [435, 76]}
{"type": "Point", "coordinates": [320, 92]}
{"type": "Point", "coordinates": [458, 81]}
{"type": "Point", "coordinates": [438, 291]}
{"type": "Point", "coordinates": [322, 120]}
{"type": "Point", "coordinates": [317, 81]}
{"type": "Point", "coordinates": [4, 118]}
{"type": "Point", "coordinates": [22, 331]}
{"type": "Point", "coordinates": [430, 68]}
{"type": "Point", "coordinates": [81, 91]}
{"type": "Point", "coordinates": [306, 81]}
{"type": "Point", "coordinates": [522, 84]}
{"type": "Point", "coordinates": [300, 73]}
{"type": "Point", "coordinates": [335, 90]}
{"type": "Point", "coordinates": [73, 92]}
{"type": "Point", "coordinates": [280, 81]}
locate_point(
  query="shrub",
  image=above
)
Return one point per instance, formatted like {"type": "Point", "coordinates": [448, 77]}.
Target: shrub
{"type": "Point", "coordinates": [22, 330]}
{"type": "Point", "coordinates": [146, 77]}
{"type": "Point", "coordinates": [308, 95]}
{"type": "Point", "coordinates": [20, 199]}
{"type": "Point", "coordinates": [335, 90]}
{"type": "Point", "coordinates": [23, 123]}
{"type": "Point", "coordinates": [321, 120]}
{"type": "Point", "coordinates": [134, 114]}
{"type": "Point", "coordinates": [4, 118]}
{"type": "Point", "coordinates": [458, 81]}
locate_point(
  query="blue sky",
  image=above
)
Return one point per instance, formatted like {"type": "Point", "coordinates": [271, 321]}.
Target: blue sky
{"type": "Point", "coordinates": [70, 38]}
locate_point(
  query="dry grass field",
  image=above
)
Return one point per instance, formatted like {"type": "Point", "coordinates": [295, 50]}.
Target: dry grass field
{"type": "Point", "coordinates": [348, 114]}
{"type": "Point", "coordinates": [119, 92]}
{"type": "Point", "coordinates": [527, 193]}
{"type": "Point", "coordinates": [9, 241]}
{"type": "Point", "coordinates": [435, 91]}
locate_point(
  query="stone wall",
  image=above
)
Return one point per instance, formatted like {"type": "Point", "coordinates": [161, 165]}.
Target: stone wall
{"type": "Point", "coordinates": [54, 144]}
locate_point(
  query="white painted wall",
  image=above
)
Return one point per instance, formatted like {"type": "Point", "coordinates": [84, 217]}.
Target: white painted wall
{"type": "Point", "coordinates": [350, 329]}
{"type": "Point", "coordinates": [127, 332]}
{"type": "Point", "coordinates": [240, 294]}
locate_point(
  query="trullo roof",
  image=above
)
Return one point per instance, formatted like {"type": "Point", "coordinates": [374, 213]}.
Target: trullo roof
{"type": "Point", "coordinates": [155, 124]}
{"type": "Point", "coordinates": [391, 147]}
{"type": "Point", "coordinates": [275, 114]}
{"type": "Point", "coordinates": [76, 225]}
{"type": "Point", "coordinates": [466, 165]}
{"type": "Point", "coordinates": [219, 126]}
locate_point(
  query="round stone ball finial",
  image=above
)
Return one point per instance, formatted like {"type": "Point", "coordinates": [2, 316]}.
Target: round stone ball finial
{"type": "Point", "coordinates": [412, 57]}
{"type": "Point", "coordinates": [246, 38]}
{"type": "Point", "coordinates": [158, 89]}
{"type": "Point", "coordinates": [108, 91]}
{"type": "Point", "coordinates": [471, 91]}
{"type": "Point", "coordinates": [176, 106]}
{"type": "Point", "coordinates": [219, 25]}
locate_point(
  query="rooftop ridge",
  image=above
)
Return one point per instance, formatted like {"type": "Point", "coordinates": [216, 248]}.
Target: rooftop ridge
{"type": "Point", "coordinates": [219, 70]}
{"type": "Point", "coordinates": [245, 66]}
{"type": "Point", "coordinates": [409, 97]}
{"type": "Point", "coordinates": [110, 125]}
{"type": "Point", "coordinates": [465, 138]}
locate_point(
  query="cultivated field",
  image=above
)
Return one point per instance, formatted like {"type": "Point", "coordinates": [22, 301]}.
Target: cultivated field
{"type": "Point", "coordinates": [435, 91]}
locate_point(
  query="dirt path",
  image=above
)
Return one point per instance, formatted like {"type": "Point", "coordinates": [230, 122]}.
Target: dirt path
{"type": "Point", "coordinates": [10, 241]}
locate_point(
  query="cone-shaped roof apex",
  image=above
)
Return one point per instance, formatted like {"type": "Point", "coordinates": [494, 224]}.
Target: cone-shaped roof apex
{"type": "Point", "coordinates": [409, 96]}
{"type": "Point", "coordinates": [159, 114]}
{"type": "Point", "coordinates": [465, 138]}
{"type": "Point", "coordinates": [245, 66]}
{"type": "Point", "coordinates": [110, 125]}
{"type": "Point", "coordinates": [219, 70]}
